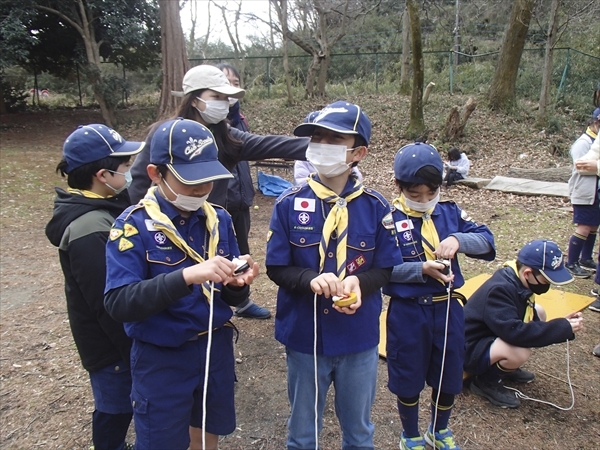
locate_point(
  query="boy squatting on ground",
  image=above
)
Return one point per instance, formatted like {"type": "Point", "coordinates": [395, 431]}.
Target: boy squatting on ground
{"type": "Point", "coordinates": [329, 237]}
{"type": "Point", "coordinates": [502, 321]}
{"type": "Point", "coordinates": [96, 161]}
{"type": "Point", "coordinates": [416, 321]}
{"type": "Point", "coordinates": [163, 256]}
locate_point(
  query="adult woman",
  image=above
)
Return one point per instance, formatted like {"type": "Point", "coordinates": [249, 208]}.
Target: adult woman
{"type": "Point", "coordinates": [206, 93]}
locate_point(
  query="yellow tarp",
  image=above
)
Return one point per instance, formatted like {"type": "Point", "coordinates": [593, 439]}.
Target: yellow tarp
{"type": "Point", "coordinates": [557, 303]}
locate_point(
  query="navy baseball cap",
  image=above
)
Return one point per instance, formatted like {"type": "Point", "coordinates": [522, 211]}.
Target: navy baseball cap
{"type": "Point", "coordinates": [189, 151]}
{"type": "Point", "coordinates": [89, 143]}
{"type": "Point", "coordinates": [340, 116]}
{"type": "Point", "coordinates": [413, 157]}
{"type": "Point", "coordinates": [546, 257]}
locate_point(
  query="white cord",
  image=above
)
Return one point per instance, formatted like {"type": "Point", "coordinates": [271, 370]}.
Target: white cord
{"type": "Point", "coordinates": [207, 365]}
{"type": "Point", "coordinates": [519, 394]}
{"type": "Point", "coordinates": [316, 377]}
{"type": "Point", "coordinates": [439, 392]}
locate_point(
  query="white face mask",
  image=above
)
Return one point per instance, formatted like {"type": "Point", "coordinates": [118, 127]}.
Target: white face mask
{"type": "Point", "coordinates": [183, 202]}
{"type": "Point", "coordinates": [232, 101]}
{"type": "Point", "coordinates": [329, 160]}
{"type": "Point", "coordinates": [216, 110]}
{"type": "Point", "coordinates": [128, 179]}
{"type": "Point", "coordinates": [422, 207]}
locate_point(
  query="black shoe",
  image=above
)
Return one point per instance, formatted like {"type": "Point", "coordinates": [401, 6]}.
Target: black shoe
{"type": "Point", "coordinates": [595, 292]}
{"type": "Point", "coordinates": [595, 306]}
{"type": "Point", "coordinates": [588, 264]}
{"type": "Point", "coordinates": [577, 271]}
{"type": "Point", "coordinates": [519, 376]}
{"type": "Point", "coordinates": [495, 392]}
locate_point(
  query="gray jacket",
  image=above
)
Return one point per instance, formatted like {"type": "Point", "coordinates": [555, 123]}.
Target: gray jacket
{"type": "Point", "coordinates": [582, 188]}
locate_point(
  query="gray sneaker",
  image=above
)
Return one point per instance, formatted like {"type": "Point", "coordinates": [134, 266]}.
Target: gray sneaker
{"type": "Point", "coordinates": [519, 376]}
{"type": "Point", "coordinates": [588, 264]}
{"type": "Point", "coordinates": [595, 306]}
{"type": "Point", "coordinates": [495, 392]}
{"type": "Point", "coordinates": [577, 271]}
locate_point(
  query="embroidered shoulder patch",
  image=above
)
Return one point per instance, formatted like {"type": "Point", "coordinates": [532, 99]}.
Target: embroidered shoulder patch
{"type": "Point", "coordinates": [125, 244]}
{"type": "Point", "coordinates": [115, 234]}
{"type": "Point", "coordinates": [130, 230]}
{"type": "Point", "coordinates": [388, 221]}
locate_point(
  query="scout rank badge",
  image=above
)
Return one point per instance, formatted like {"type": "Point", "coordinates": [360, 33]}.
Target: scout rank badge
{"type": "Point", "coordinates": [127, 231]}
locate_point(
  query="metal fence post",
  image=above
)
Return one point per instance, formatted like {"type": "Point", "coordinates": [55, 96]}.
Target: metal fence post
{"type": "Point", "coordinates": [564, 75]}
{"type": "Point", "coordinates": [268, 79]}
{"type": "Point", "coordinates": [376, 72]}
{"type": "Point", "coordinates": [450, 71]}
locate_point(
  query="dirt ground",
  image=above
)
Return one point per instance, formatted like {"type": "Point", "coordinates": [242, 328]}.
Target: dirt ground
{"type": "Point", "coordinates": [45, 399]}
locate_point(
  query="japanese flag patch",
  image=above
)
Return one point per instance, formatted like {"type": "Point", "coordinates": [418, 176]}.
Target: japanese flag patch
{"type": "Point", "coordinates": [404, 225]}
{"type": "Point", "coordinates": [304, 204]}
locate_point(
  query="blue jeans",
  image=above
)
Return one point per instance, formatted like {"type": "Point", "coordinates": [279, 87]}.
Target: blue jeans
{"type": "Point", "coordinates": [354, 377]}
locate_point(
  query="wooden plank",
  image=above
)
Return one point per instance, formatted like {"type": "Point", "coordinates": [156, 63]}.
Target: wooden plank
{"type": "Point", "coordinates": [524, 186]}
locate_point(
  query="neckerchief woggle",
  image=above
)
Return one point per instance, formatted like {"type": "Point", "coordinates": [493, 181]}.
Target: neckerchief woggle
{"type": "Point", "coordinates": [161, 222]}
{"type": "Point", "coordinates": [337, 220]}
{"type": "Point", "coordinates": [530, 301]}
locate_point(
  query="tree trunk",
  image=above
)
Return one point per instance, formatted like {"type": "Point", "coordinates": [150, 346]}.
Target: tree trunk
{"type": "Point", "coordinates": [560, 174]}
{"type": "Point", "coordinates": [282, 14]}
{"type": "Point", "coordinates": [417, 123]}
{"type": "Point", "coordinates": [405, 65]}
{"type": "Point", "coordinates": [310, 78]}
{"type": "Point", "coordinates": [323, 75]}
{"type": "Point", "coordinates": [502, 89]}
{"type": "Point", "coordinates": [547, 73]}
{"type": "Point", "coordinates": [174, 57]}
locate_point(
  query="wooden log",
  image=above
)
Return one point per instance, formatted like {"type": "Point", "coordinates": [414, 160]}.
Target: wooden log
{"type": "Point", "coordinates": [561, 174]}
{"type": "Point", "coordinates": [427, 93]}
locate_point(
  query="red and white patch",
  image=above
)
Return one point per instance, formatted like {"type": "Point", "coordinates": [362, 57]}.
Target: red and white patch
{"type": "Point", "coordinates": [404, 225]}
{"type": "Point", "coordinates": [304, 204]}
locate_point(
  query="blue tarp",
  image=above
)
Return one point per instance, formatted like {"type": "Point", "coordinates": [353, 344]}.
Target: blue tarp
{"type": "Point", "coordinates": [272, 185]}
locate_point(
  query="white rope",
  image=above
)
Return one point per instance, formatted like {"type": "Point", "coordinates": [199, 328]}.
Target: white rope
{"type": "Point", "coordinates": [207, 365]}
{"type": "Point", "coordinates": [316, 377]}
{"type": "Point", "coordinates": [519, 394]}
{"type": "Point", "coordinates": [439, 392]}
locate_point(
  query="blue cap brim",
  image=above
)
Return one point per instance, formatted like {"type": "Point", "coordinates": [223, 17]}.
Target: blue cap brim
{"type": "Point", "coordinates": [200, 172]}
{"type": "Point", "coordinates": [557, 277]}
{"type": "Point", "coordinates": [308, 129]}
{"type": "Point", "coordinates": [129, 148]}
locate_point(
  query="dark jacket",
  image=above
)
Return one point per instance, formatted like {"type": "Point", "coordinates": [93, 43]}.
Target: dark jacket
{"type": "Point", "coordinates": [240, 191]}
{"type": "Point", "coordinates": [497, 309]}
{"type": "Point", "coordinates": [254, 148]}
{"type": "Point", "coordinates": [79, 228]}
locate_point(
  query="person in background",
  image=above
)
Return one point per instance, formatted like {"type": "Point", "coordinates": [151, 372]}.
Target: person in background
{"type": "Point", "coordinates": [425, 323]}
{"type": "Point", "coordinates": [302, 169]}
{"type": "Point", "coordinates": [240, 193]}
{"type": "Point", "coordinates": [583, 191]}
{"type": "Point", "coordinates": [590, 164]}
{"type": "Point", "coordinates": [96, 162]}
{"type": "Point", "coordinates": [457, 167]}
{"type": "Point", "coordinates": [503, 321]}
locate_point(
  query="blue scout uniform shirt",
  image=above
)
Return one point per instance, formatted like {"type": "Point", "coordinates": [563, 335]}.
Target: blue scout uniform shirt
{"type": "Point", "coordinates": [294, 237]}
{"type": "Point", "coordinates": [148, 253]}
{"type": "Point", "coordinates": [448, 218]}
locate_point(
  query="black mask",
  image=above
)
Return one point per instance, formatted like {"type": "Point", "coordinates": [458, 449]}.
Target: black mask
{"type": "Point", "coordinates": [538, 288]}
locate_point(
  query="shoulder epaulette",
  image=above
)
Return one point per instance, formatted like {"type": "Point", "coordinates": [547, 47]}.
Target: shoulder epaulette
{"type": "Point", "coordinates": [377, 195]}
{"type": "Point", "coordinates": [290, 191]}
{"type": "Point", "coordinates": [131, 209]}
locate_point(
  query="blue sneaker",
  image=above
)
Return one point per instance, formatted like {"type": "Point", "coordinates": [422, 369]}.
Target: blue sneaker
{"type": "Point", "coordinates": [253, 311]}
{"type": "Point", "coordinates": [444, 439]}
{"type": "Point", "coordinates": [414, 443]}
